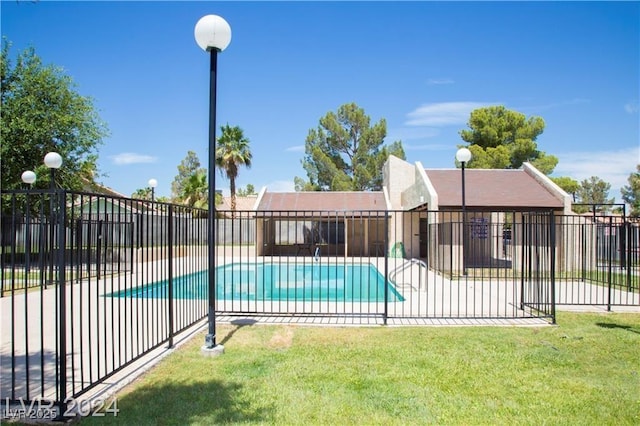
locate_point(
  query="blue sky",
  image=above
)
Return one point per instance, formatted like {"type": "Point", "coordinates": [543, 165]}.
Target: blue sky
{"type": "Point", "coordinates": [422, 66]}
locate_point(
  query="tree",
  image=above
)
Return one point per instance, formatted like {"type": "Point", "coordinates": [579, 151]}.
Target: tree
{"type": "Point", "coordinates": [189, 166]}
{"type": "Point", "coordinates": [42, 112]}
{"type": "Point", "coordinates": [142, 194]}
{"type": "Point", "coordinates": [503, 139]}
{"type": "Point", "coordinates": [232, 152]}
{"type": "Point", "coordinates": [595, 191]}
{"type": "Point", "coordinates": [300, 185]}
{"type": "Point", "coordinates": [249, 190]}
{"type": "Point", "coordinates": [345, 152]}
{"type": "Point", "coordinates": [570, 186]}
{"type": "Point", "coordinates": [195, 190]}
{"type": "Point", "coordinates": [631, 192]}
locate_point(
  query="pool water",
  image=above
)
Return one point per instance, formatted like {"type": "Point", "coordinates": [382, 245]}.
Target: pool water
{"type": "Point", "coordinates": [307, 282]}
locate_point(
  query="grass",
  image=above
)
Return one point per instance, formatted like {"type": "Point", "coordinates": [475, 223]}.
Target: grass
{"type": "Point", "coordinates": [585, 371]}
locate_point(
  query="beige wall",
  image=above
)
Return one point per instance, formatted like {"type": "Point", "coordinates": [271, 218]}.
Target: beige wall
{"type": "Point", "coordinates": [421, 192]}
{"type": "Point", "coordinates": [395, 183]}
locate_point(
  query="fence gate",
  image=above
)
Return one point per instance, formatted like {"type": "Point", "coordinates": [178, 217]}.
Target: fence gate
{"type": "Point", "coordinates": [454, 265]}
{"type": "Point", "coordinates": [538, 263]}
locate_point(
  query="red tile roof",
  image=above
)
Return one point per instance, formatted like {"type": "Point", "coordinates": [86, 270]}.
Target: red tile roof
{"type": "Point", "coordinates": [322, 201]}
{"type": "Point", "coordinates": [491, 188]}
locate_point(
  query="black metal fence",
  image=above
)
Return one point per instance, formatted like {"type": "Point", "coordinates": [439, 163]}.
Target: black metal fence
{"type": "Point", "coordinates": [599, 261]}
{"type": "Point", "coordinates": [395, 265]}
{"type": "Point", "coordinates": [71, 263]}
{"type": "Point", "coordinates": [92, 283]}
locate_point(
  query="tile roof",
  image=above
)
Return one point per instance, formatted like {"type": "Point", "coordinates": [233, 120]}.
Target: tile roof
{"type": "Point", "coordinates": [242, 203]}
{"type": "Point", "coordinates": [322, 201]}
{"type": "Point", "coordinates": [491, 188]}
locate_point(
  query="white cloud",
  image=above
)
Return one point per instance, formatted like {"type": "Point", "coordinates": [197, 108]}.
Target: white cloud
{"type": "Point", "coordinates": [296, 148]}
{"type": "Point", "coordinates": [127, 158]}
{"type": "Point", "coordinates": [613, 167]}
{"type": "Point", "coordinates": [443, 114]}
{"type": "Point", "coordinates": [439, 81]}
{"type": "Point", "coordinates": [631, 107]}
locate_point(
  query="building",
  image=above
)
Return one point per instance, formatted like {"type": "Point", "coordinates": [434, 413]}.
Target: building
{"type": "Point", "coordinates": [425, 208]}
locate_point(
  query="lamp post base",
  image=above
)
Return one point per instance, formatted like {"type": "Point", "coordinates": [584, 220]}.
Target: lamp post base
{"type": "Point", "coordinates": [216, 350]}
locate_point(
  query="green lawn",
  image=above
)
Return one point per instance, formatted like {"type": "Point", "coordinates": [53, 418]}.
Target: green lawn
{"type": "Point", "coordinates": [585, 371]}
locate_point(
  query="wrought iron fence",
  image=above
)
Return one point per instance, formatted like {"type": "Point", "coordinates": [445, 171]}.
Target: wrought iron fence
{"type": "Point", "coordinates": [72, 312]}
{"type": "Point", "coordinates": [390, 264]}
{"type": "Point", "coordinates": [91, 283]}
{"type": "Point", "coordinates": [598, 261]}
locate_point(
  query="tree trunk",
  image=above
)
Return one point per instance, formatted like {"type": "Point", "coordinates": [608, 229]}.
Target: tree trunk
{"type": "Point", "coordinates": [232, 188]}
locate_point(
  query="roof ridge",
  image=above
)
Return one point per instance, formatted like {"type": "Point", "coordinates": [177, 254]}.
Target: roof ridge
{"type": "Point", "coordinates": [478, 170]}
{"type": "Point", "coordinates": [326, 192]}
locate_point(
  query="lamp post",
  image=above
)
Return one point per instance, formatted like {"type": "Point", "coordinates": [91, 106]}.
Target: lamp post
{"type": "Point", "coordinates": [463, 155]}
{"type": "Point", "coordinates": [213, 35]}
{"type": "Point", "coordinates": [28, 177]}
{"type": "Point", "coordinates": [53, 161]}
{"type": "Point", "coordinates": [152, 184]}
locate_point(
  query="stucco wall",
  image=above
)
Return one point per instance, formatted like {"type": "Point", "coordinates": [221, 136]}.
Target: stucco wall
{"type": "Point", "coordinates": [398, 175]}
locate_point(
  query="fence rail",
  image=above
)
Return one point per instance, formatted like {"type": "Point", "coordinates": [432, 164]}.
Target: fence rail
{"type": "Point", "coordinates": [92, 283]}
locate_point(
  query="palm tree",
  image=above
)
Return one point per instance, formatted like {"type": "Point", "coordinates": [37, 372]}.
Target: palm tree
{"type": "Point", "coordinates": [142, 194]}
{"type": "Point", "coordinates": [194, 191]}
{"type": "Point", "coordinates": [233, 151]}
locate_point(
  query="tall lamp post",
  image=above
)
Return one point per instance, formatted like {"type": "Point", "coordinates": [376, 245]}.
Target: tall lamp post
{"type": "Point", "coordinates": [463, 155]}
{"type": "Point", "coordinates": [152, 184]}
{"type": "Point", "coordinates": [213, 35]}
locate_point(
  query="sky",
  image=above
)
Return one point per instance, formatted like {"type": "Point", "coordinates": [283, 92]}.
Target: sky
{"type": "Point", "coordinates": [421, 66]}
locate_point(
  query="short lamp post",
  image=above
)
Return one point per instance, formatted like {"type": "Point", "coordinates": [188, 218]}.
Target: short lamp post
{"type": "Point", "coordinates": [53, 161]}
{"type": "Point", "coordinates": [152, 184]}
{"type": "Point", "coordinates": [463, 155]}
{"type": "Point", "coordinates": [29, 178]}
{"type": "Point", "coordinates": [213, 35]}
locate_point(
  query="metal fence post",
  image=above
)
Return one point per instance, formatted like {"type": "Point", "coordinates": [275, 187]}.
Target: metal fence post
{"type": "Point", "coordinates": [27, 244]}
{"type": "Point", "coordinates": [610, 262]}
{"type": "Point", "coordinates": [553, 266]}
{"type": "Point", "coordinates": [51, 236]}
{"type": "Point", "coordinates": [584, 250]}
{"type": "Point", "coordinates": [626, 254]}
{"type": "Point", "coordinates": [523, 270]}
{"type": "Point", "coordinates": [386, 267]}
{"type": "Point", "coordinates": [170, 266]}
{"type": "Point", "coordinates": [99, 247]}
{"type": "Point", "coordinates": [62, 321]}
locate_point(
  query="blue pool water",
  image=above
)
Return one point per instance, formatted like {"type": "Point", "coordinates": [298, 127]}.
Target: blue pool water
{"type": "Point", "coordinates": [308, 282]}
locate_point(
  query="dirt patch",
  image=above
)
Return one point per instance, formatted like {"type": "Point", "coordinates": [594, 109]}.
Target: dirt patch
{"type": "Point", "coordinates": [282, 339]}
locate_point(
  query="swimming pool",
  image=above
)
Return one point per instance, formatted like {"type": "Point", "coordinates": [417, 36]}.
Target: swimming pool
{"type": "Point", "coordinates": [268, 282]}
